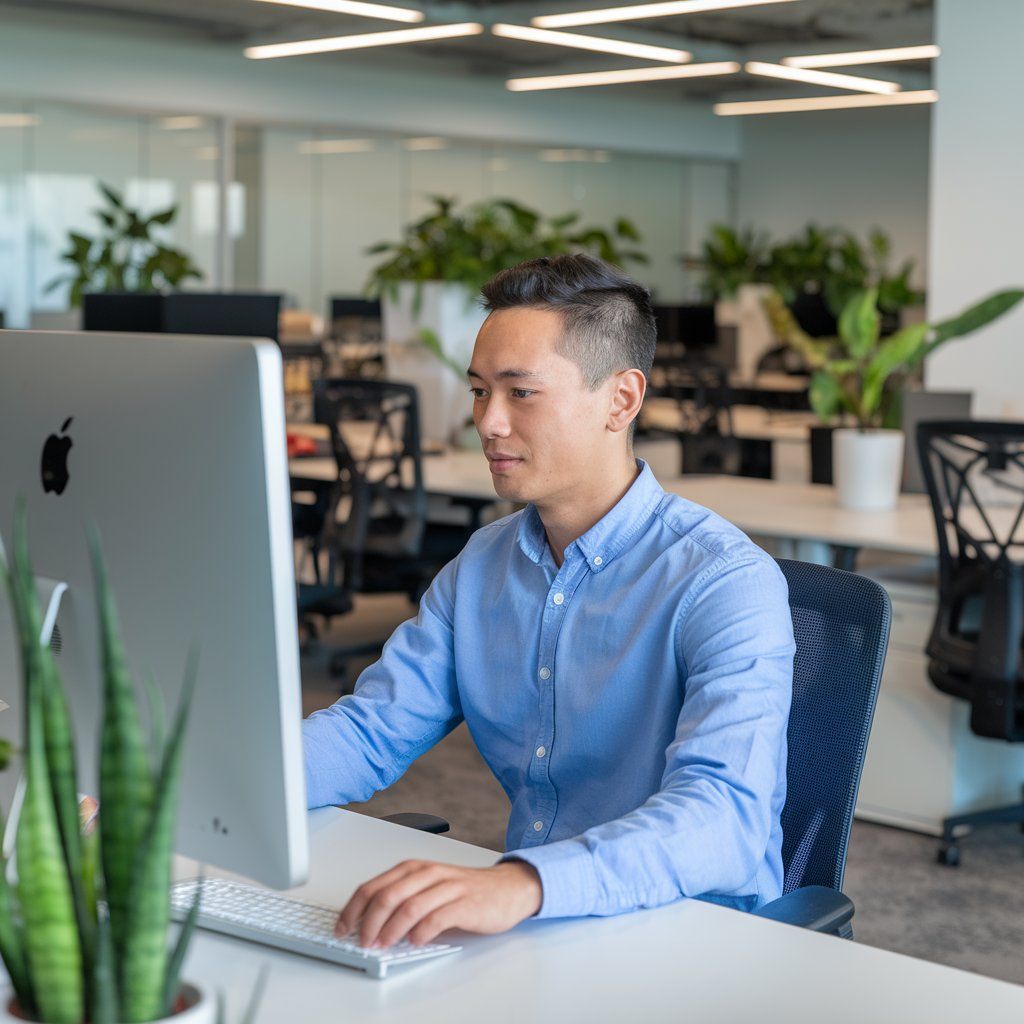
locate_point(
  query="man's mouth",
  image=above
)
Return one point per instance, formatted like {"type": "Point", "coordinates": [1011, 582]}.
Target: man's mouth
{"type": "Point", "coordinates": [501, 462]}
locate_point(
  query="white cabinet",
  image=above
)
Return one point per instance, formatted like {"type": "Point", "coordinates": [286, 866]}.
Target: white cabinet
{"type": "Point", "coordinates": [923, 763]}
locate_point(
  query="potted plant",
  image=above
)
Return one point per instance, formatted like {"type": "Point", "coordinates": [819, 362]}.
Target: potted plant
{"type": "Point", "coordinates": [430, 281]}
{"type": "Point", "coordinates": [859, 376]}
{"type": "Point", "coordinates": [124, 257]}
{"type": "Point", "coordinates": [84, 927]}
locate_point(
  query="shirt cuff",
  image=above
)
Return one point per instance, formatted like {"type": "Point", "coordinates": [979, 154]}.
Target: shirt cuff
{"type": "Point", "coordinates": [567, 878]}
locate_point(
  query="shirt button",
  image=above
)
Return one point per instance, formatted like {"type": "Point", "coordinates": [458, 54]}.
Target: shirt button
{"type": "Point", "coordinates": [541, 751]}
{"type": "Point", "coordinates": [598, 560]}
{"type": "Point", "coordinates": [545, 673]}
{"type": "Point", "coordinates": [559, 598]}
{"type": "Point", "coordinates": [538, 825]}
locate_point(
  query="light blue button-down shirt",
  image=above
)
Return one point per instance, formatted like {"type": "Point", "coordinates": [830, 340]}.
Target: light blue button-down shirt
{"type": "Point", "coordinates": [632, 703]}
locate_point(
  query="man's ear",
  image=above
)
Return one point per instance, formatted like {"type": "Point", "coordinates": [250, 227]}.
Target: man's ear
{"type": "Point", "coordinates": [628, 388]}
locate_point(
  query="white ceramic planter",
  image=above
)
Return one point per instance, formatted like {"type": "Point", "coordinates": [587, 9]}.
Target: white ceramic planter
{"type": "Point", "coordinates": [867, 466]}
{"type": "Point", "coordinates": [200, 1008]}
{"type": "Point", "coordinates": [455, 317]}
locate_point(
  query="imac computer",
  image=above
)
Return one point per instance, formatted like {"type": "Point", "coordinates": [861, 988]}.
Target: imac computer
{"type": "Point", "coordinates": [174, 447]}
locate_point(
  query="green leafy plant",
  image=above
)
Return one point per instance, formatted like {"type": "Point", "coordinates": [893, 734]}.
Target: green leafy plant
{"type": "Point", "coordinates": [84, 931]}
{"type": "Point", "coordinates": [859, 373]}
{"type": "Point", "coordinates": [831, 262]}
{"type": "Point", "coordinates": [470, 246]}
{"type": "Point", "coordinates": [124, 257]}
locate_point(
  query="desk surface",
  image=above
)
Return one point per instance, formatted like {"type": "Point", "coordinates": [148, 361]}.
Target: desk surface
{"type": "Point", "coordinates": [748, 421]}
{"type": "Point", "coordinates": [688, 961]}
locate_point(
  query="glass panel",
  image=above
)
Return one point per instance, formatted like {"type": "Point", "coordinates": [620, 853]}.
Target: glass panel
{"type": "Point", "coordinates": [16, 125]}
{"type": "Point", "coordinates": [439, 167]}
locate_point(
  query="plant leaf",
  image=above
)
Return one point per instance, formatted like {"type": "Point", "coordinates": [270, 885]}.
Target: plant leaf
{"type": "Point", "coordinates": [974, 318]}
{"type": "Point", "coordinates": [859, 323]}
{"type": "Point", "coordinates": [823, 394]}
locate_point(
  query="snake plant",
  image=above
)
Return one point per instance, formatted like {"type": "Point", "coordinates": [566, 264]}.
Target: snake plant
{"type": "Point", "coordinates": [84, 929]}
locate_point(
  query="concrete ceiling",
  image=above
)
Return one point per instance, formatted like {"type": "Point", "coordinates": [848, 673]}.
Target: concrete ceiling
{"type": "Point", "coordinates": [766, 33]}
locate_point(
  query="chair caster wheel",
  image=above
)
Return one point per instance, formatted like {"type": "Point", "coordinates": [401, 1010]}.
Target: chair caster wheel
{"type": "Point", "coordinates": [949, 855]}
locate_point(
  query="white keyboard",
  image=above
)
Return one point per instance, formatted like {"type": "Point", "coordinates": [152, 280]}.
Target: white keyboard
{"type": "Point", "coordinates": [261, 915]}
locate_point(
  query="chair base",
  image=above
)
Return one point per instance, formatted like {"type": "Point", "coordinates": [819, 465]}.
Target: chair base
{"type": "Point", "coordinates": [949, 844]}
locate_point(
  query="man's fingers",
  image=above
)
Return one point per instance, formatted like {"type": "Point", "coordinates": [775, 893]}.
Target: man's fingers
{"type": "Point", "coordinates": [351, 913]}
{"type": "Point", "coordinates": [386, 900]}
{"type": "Point", "coordinates": [450, 915]}
{"type": "Point", "coordinates": [416, 908]}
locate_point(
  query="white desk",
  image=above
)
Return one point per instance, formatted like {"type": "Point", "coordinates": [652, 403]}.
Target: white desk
{"type": "Point", "coordinates": [689, 961]}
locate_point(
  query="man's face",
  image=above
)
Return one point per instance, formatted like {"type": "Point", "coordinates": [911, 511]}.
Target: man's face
{"type": "Point", "coordinates": [544, 433]}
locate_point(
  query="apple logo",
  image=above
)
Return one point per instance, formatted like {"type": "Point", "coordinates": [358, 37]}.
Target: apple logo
{"type": "Point", "coordinates": [55, 460]}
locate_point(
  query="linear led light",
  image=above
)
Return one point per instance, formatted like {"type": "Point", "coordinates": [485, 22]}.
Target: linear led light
{"type": "Point", "coordinates": [824, 103]}
{"type": "Point", "coordinates": [357, 42]}
{"type": "Point", "coordinates": [426, 142]}
{"type": "Point", "coordinates": [573, 39]}
{"type": "Point", "coordinates": [179, 124]}
{"type": "Point", "coordinates": [321, 146]}
{"type": "Point", "coordinates": [636, 11]}
{"type": "Point", "coordinates": [573, 156]}
{"type": "Point", "coordinates": [724, 67]}
{"type": "Point", "coordinates": [830, 78]}
{"type": "Point", "coordinates": [844, 60]}
{"type": "Point", "coordinates": [357, 7]}
{"type": "Point", "coordinates": [18, 120]}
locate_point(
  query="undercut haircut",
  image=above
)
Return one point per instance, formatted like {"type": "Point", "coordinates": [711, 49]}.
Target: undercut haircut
{"type": "Point", "coordinates": [609, 323]}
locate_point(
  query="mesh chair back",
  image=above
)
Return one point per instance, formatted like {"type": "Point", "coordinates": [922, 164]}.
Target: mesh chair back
{"type": "Point", "coordinates": [974, 473]}
{"type": "Point", "coordinates": [841, 624]}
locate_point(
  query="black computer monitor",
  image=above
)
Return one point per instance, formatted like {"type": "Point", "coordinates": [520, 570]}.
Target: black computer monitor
{"type": "Point", "coordinates": [344, 306]}
{"type": "Point", "coordinates": [230, 313]}
{"type": "Point", "coordinates": [667, 322]}
{"type": "Point", "coordinates": [696, 326]}
{"type": "Point", "coordinates": [140, 313]}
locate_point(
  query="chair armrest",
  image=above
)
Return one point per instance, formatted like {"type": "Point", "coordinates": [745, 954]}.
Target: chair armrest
{"type": "Point", "coordinates": [816, 907]}
{"type": "Point", "coordinates": [422, 822]}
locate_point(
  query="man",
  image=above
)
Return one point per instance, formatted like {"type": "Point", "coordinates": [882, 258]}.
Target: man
{"type": "Point", "coordinates": [621, 656]}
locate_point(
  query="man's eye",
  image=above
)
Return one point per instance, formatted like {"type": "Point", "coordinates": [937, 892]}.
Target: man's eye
{"type": "Point", "coordinates": [521, 393]}
{"type": "Point", "coordinates": [477, 392]}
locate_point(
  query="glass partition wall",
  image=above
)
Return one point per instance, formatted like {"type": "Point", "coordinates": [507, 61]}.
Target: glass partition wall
{"type": "Point", "coordinates": [302, 205]}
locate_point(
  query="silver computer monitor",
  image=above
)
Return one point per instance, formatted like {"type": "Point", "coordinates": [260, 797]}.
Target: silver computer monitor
{"type": "Point", "coordinates": [177, 453]}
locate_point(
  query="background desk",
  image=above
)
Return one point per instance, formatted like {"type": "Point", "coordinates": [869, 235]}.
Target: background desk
{"type": "Point", "coordinates": [689, 961]}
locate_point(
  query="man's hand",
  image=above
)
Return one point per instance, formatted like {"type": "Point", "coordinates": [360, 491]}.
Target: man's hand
{"type": "Point", "coordinates": [419, 899]}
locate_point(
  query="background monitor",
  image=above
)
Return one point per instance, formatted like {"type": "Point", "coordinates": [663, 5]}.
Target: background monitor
{"type": "Point", "coordinates": [178, 455]}
{"type": "Point", "coordinates": [927, 405]}
{"type": "Point", "coordinates": [344, 306]}
{"type": "Point", "coordinates": [228, 313]}
{"type": "Point", "coordinates": [122, 311]}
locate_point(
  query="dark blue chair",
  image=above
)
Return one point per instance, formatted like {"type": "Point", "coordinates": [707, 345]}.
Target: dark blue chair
{"type": "Point", "coordinates": [841, 625]}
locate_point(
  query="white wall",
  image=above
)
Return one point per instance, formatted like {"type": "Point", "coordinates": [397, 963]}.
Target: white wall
{"type": "Point", "coordinates": [69, 61]}
{"type": "Point", "coordinates": [977, 210]}
{"type": "Point", "coordinates": [857, 169]}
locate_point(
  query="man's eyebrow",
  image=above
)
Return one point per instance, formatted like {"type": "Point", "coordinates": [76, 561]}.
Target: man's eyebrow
{"type": "Point", "coordinates": [511, 374]}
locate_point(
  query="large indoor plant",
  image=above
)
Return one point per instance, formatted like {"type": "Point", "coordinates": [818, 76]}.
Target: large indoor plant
{"type": "Point", "coordinates": [430, 281]}
{"type": "Point", "coordinates": [84, 928]}
{"type": "Point", "coordinates": [125, 256]}
{"type": "Point", "coordinates": [858, 376]}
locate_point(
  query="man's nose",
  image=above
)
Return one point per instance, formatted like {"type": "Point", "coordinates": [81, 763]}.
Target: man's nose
{"type": "Point", "coordinates": [493, 421]}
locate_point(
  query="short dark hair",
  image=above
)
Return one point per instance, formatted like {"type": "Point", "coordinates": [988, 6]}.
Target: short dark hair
{"type": "Point", "coordinates": [609, 323]}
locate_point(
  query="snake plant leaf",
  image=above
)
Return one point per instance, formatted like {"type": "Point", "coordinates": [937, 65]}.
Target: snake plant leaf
{"type": "Point", "coordinates": [104, 987]}
{"type": "Point", "coordinates": [249, 1015]}
{"type": "Point", "coordinates": [144, 962]}
{"type": "Point", "coordinates": [859, 323]}
{"type": "Point", "coordinates": [12, 945]}
{"type": "Point", "coordinates": [172, 981]}
{"type": "Point", "coordinates": [126, 784]}
{"type": "Point", "coordinates": [44, 891]}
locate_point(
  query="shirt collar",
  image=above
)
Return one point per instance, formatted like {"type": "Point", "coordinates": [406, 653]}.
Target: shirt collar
{"type": "Point", "coordinates": [609, 536]}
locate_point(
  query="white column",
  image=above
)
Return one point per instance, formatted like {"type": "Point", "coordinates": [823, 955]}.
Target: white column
{"type": "Point", "coordinates": [977, 197]}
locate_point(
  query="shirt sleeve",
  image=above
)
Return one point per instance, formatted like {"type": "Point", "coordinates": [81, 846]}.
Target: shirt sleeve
{"type": "Point", "coordinates": [402, 705]}
{"type": "Point", "coordinates": [706, 830]}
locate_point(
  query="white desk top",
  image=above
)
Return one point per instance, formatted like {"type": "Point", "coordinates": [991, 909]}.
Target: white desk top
{"type": "Point", "coordinates": [688, 961]}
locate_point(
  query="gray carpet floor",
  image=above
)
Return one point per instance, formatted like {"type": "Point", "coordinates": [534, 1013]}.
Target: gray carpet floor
{"type": "Point", "coordinates": [971, 917]}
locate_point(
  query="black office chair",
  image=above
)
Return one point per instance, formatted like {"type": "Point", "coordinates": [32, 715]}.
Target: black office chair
{"type": "Point", "coordinates": [976, 648]}
{"type": "Point", "coordinates": [370, 524]}
{"type": "Point", "coordinates": [841, 626]}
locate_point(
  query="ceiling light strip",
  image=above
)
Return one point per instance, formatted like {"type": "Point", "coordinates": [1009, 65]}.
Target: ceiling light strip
{"type": "Point", "coordinates": [356, 7]}
{"type": "Point", "coordinates": [827, 78]}
{"type": "Point", "coordinates": [357, 42]}
{"type": "Point", "coordinates": [579, 42]}
{"type": "Point", "coordinates": [635, 12]}
{"type": "Point", "coordinates": [844, 60]}
{"type": "Point", "coordinates": [18, 120]}
{"type": "Point", "coordinates": [725, 67]}
{"type": "Point", "coordinates": [823, 103]}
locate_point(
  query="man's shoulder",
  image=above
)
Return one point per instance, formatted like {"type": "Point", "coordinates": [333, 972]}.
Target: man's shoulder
{"type": "Point", "coordinates": [494, 536]}
{"type": "Point", "coordinates": [705, 535]}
